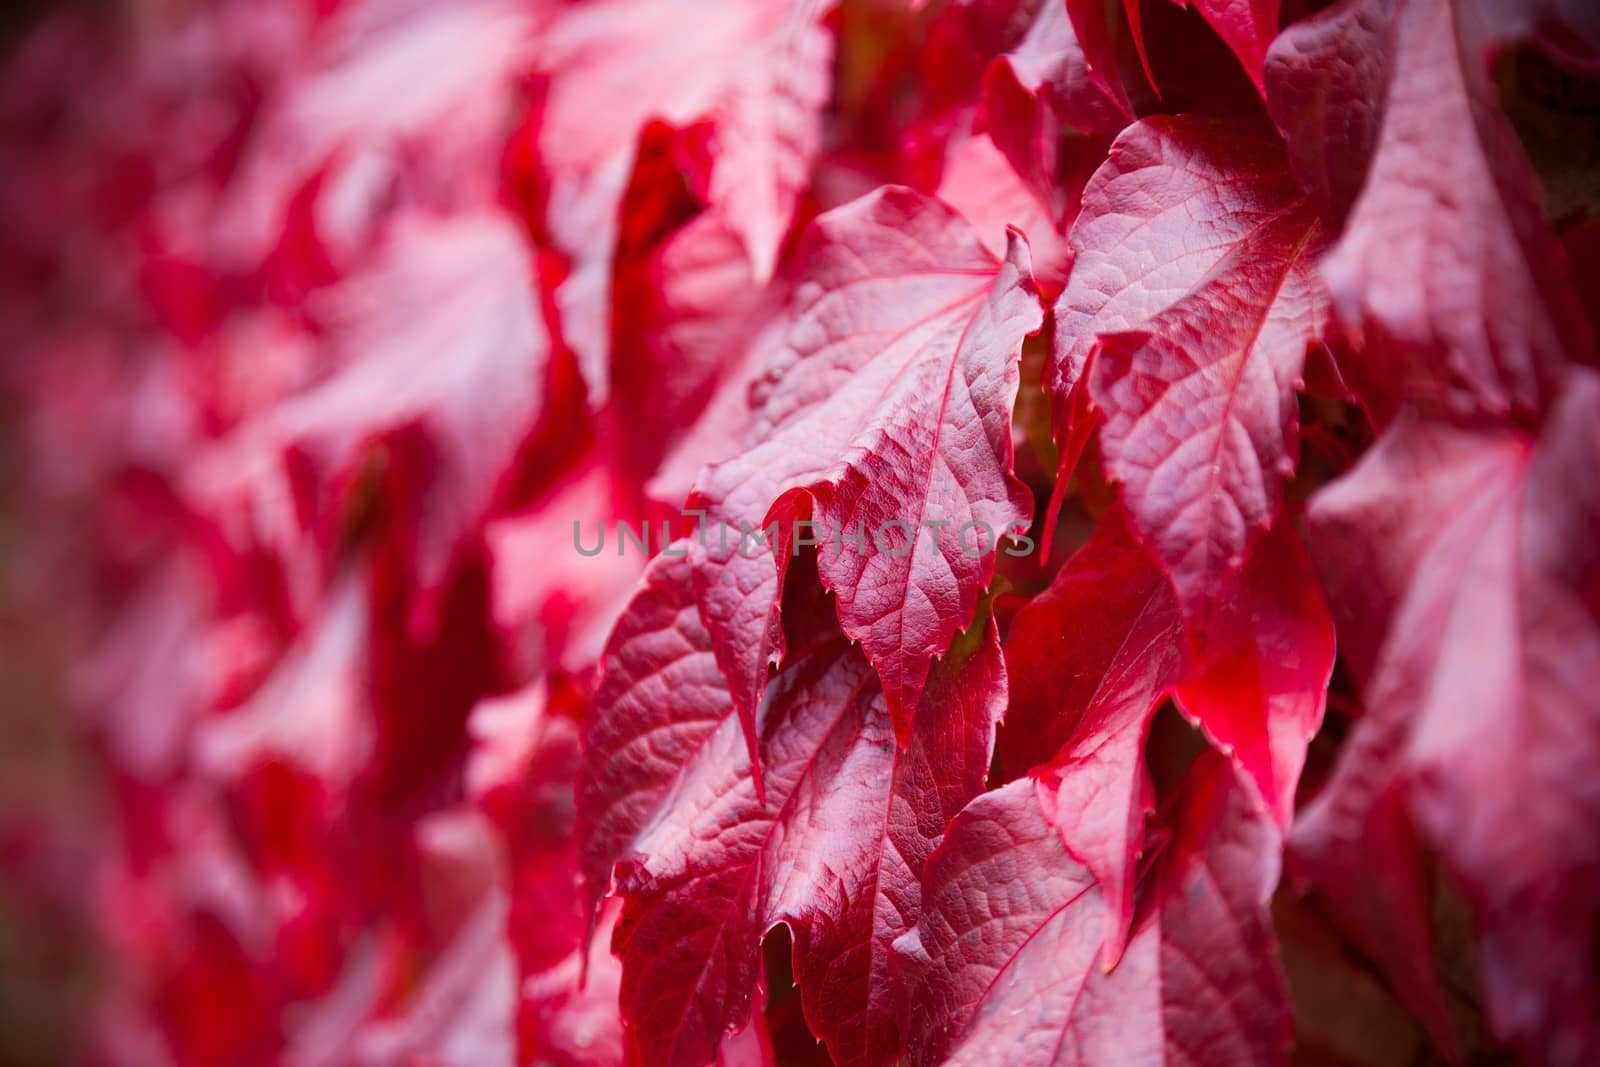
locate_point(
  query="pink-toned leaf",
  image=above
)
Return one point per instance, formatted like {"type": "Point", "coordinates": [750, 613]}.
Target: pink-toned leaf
{"type": "Point", "coordinates": [309, 713]}
{"type": "Point", "coordinates": [558, 579]}
{"type": "Point", "coordinates": [1099, 27]}
{"type": "Point", "coordinates": [1446, 272]}
{"type": "Point", "coordinates": [757, 73]}
{"type": "Point", "coordinates": [1010, 923]}
{"type": "Point", "coordinates": [1200, 982]}
{"type": "Point", "coordinates": [571, 1008]}
{"type": "Point", "coordinates": [1194, 291]}
{"type": "Point", "coordinates": [1090, 660]}
{"type": "Point", "coordinates": [1409, 514]}
{"type": "Point", "coordinates": [1248, 27]}
{"type": "Point", "coordinates": [143, 715]}
{"type": "Point", "coordinates": [463, 1014]}
{"type": "Point", "coordinates": [1092, 657]}
{"type": "Point", "coordinates": [440, 353]}
{"type": "Point", "coordinates": [391, 105]}
{"type": "Point", "coordinates": [1005, 952]}
{"type": "Point", "coordinates": [768, 132]}
{"type": "Point", "coordinates": [871, 895]}
{"type": "Point", "coordinates": [660, 700]}
{"type": "Point", "coordinates": [889, 404]}
{"type": "Point", "coordinates": [1261, 687]}
{"type": "Point", "coordinates": [980, 183]}
{"type": "Point", "coordinates": [699, 329]}
{"type": "Point", "coordinates": [1319, 76]}
{"type": "Point", "coordinates": [1357, 842]}
{"type": "Point", "coordinates": [1475, 702]}
{"type": "Point", "coordinates": [1051, 121]}
{"type": "Point", "coordinates": [1172, 202]}
{"type": "Point", "coordinates": [522, 771]}
{"type": "Point", "coordinates": [832, 848]}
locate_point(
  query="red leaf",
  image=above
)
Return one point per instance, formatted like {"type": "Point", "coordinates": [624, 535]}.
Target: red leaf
{"type": "Point", "coordinates": [462, 1014]}
{"type": "Point", "coordinates": [325, 321]}
{"type": "Point", "coordinates": [309, 713]}
{"type": "Point", "coordinates": [698, 330]}
{"type": "Point", "coordinates": [555, 613]}
{"type": "Point", "coordinates": [1479, 715]}
{"type": "Point", "coordinates": [392, 105]}
{"type": "Point", "coordinates": [1248, 26]}
{"type": "Point", "coordinates": [1090, 660]}
{"type": "Point", "coordinates": [1004, 953]}
{"type": "Point", "coordinates": [890, 404]}
{"type": "Point", "coordinates": [756, 72]}
{"type": "Point", "coordinates": [1046, 115]}
{"type": "Point", "coordinates": [1261, 688]}
{"type": "Point", "coordinates": [1319, 78]}
{"type": "Point", "coordinates": [707, 866]}
{"type": "Point", "coordinates": [1446, 271]}
{"type": "Point", "coordinates": [1193, 235]}
{"type": "Point", "coordinates": [1098, 25]}
{"type": "Point", "coordinates": [571, 1008]}
{"type": "Point", "coordinates": [1008, 915]}
{"type": "Point", "coordinates": [980, 183]}
{"type": "Point", "coordinates": [660, 700]}
{"type": "Point", "coordinates": [455, 382]}
{"type": "Point", "coordinates": [525, 763]}
{"type": "Point", "coordinates": [1224, 999]}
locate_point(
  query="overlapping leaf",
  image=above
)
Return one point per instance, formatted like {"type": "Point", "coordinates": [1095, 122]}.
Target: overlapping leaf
{"type": "Point", "coordinates": [698, 331]}
{"type": "Point", "coordinates": [888, 408]}
{"type": "Point", "coordinates": [319, 339]}
{"type": "Point", "coordinates": [1476, 699]}
{"type": "Point", "coordinates": [453, 392]}
{"type": "Point", "coordinates": [1044, 112]}
{"type": "Point", "coordinates": [1445, 270]}
{"type": "Point", "coordinates": [1006, 957]}
{"type": "Point", "coordinates": [1094, 656]}
{"type": "Point", "coordinates": [833, 846]}
{"type": "Point", "coordinates": [980, 183]}
{"type": "Point", "coordinates": [1194, 298]}
{"type": "Point", "coordinates": [752, 76]}
{"type": "Point", "coordinates": [1259, 690]}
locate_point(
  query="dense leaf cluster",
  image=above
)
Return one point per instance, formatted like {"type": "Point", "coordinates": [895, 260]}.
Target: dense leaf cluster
{"type": "Point", "coordinates": [1168, 434]}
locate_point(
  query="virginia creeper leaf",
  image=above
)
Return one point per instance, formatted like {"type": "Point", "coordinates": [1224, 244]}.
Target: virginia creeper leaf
{"type": "Point", "coordinates": [1099, 26]}
{"type": "Point", "coordinates": [1446, 271]}
{"type": "Point", "coordinates": [1248, 26]}
{"type": "Point", "coordinates": [309, 713]}
{"type": "Point", "coordinates": [461, 379]}
{"type": "Point", "coordinates": [980, 183]}
{"type": "Point", "coordinates": [555, 614]}
{"type": "Point", "coordinates": [1260, 688]}
{"type": "Point", "coordinates": [463, 1013]}
{"type": "Point", "coordinates": [659, 700]}
{"type": "Point", "coordinates": [1319, 76]}
{"type": "Point", "coordinates": [1045, 114]}
{"type": "Point", "coordinates": [757, 73]}
{"type": "Point", "coordinates": [833, 847]}
{"type": "Point", "coordinates": [1476, 695]}
{"type": "Point", "coordinates": [379, 119]}
{"type": "Point", "coordinates": [1195, 243]}
{"type": "Point", "coordinates": [889, 405]}
{"type": "Point", "coordinates": [1005, 952]}
{"type": "Point", "coordinates": [1092, 657]}
{"type": "Point", "coordinates": [698, 330]}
